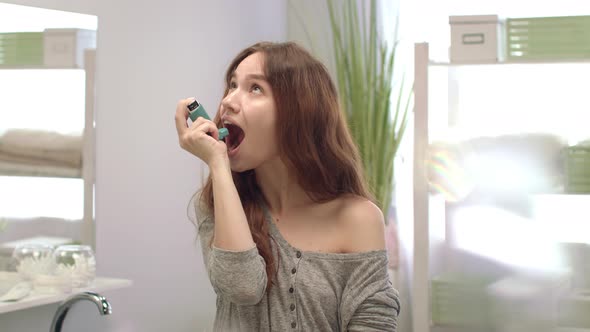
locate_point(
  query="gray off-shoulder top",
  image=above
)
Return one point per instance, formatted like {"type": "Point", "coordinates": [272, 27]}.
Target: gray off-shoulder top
{"type": "Point", "coordinates": [313, 291]}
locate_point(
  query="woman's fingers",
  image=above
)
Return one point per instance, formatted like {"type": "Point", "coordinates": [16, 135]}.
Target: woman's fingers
{"type": "Point", "coordinates": [201, 137]}
{"type": "Point", "coordinates": [181, 115]}
{"type": "Point", "coordinates": [190, 136]}
{"type": "Point", "coordinates": [205, 126]}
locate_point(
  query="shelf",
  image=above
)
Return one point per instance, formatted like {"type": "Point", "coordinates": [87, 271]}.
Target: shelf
{"type": "Point", "coordinates": [35, 67]}
{"type": "Point", "coordinates": [510, 62]}
{"type": "Point", "coordinates": [74, 173]}
{"type": "Point", "coordinates": [34, 300]}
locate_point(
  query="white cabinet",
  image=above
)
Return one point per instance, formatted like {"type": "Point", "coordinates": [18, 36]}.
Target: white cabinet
{"type": "Point", "coordinates": [496, 243]}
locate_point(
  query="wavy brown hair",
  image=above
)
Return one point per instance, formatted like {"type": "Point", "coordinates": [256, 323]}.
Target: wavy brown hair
{"type": "Point", "coordinates": [313, 137]}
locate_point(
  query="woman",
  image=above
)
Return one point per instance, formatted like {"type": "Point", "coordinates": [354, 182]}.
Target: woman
{"type": "Point", "coordinates": [290, 237]}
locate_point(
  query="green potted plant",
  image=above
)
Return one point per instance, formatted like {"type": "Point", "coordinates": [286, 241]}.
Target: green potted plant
{"type": "Point", "coordinates": [375, 103]}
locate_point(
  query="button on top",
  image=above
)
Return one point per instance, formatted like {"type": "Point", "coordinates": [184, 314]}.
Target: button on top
{"type": "Point", "coordinates": [299, 254]}
{"type": "Point", "coordinates": [292, 307]}
{"type": "Point", "coordinates": [294, 270]}
{"type": "Point", "coordinates": [293, 325]}
{"type": "Point", "coordinates": [291, 290]}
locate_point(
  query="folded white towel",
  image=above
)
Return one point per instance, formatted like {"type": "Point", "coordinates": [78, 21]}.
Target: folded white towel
{"type": "Point", "coordinates": [57, 159]}
{"type": "Point", "coordinates": [32, 138]}
{"type": "Point", "coordinates": [43, 145]}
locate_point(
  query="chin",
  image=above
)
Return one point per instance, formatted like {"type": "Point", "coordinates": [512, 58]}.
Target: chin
{"type": "Point", "coordinates": [239, 167]}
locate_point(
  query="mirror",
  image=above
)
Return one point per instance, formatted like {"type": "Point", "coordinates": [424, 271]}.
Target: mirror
{"type": "Point", "coordinates": [47, 63]}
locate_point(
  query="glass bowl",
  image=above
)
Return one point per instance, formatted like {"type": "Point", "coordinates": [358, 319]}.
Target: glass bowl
{"type": "Point", "coordinates": [32, 259]}
{"type": "Point", "coordinates": [76, 262]}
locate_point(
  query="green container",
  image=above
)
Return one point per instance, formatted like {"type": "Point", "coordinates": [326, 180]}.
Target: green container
{"type": "Point", "coordinates": [577, 169]}
{"type": "Point", "coordinates": [21, 61]}
{"type": "Point", "coordinates": [22, 39]}
{"type": "Point", "coordinates": [555, 38]}
{"type": "Point", "coordinates": [21, 48]}
{"type": "Point", "coordinates": [460, 301]}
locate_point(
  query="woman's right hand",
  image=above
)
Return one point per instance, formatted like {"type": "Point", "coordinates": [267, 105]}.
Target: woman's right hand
{"type": "Point", "coordinates": [195, 138]}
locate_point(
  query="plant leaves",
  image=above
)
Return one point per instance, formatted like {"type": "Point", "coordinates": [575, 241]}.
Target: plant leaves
{"type": "Point", "coordinates": [365, 76]}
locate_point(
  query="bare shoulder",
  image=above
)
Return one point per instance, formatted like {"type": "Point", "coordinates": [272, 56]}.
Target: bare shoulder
{"type": "Point", "coordinates": [362, 223]}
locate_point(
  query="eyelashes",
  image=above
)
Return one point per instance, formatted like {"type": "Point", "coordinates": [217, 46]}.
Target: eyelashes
{"type": "Point", "coordinates": [254, 87]}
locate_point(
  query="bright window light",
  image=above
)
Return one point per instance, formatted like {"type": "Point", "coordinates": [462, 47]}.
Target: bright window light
{"type": "Point", "coordinates": [528, 98]}
{"type": "Point", "coordinates": [42, 99]}
{"type": "Point", "coordinates": [16, 18]}
{"type": "Point", "coordinates": [565, 215]}
{"type": "Point", "coordinates": [30, 197]}
{"type": "Point", "coordinates": [499, 234]}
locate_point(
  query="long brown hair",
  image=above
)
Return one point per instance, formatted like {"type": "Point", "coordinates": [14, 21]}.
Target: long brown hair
{"type": "Point", "coordinates": [313, 137]}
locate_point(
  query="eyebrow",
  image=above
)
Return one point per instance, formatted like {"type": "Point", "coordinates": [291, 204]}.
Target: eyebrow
{"type": "Point", "coordinates": [251, 77]}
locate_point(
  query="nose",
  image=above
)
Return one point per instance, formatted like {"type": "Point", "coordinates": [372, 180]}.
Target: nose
{"type": "Point", "coordinates": [230, 102]}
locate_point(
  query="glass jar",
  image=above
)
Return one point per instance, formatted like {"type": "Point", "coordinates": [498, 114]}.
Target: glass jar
{"type": "Point", "coordinates": [76, 262]}
{"type": "Point", "coordinates": [33, 259]}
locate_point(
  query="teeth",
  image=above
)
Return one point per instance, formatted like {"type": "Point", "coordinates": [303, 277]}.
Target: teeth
{"type": "Point", "coordinates": [227, 122]}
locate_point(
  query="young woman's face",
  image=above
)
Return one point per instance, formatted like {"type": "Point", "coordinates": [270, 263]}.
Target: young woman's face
{"type": "Point", "coordinates": [249, 113]}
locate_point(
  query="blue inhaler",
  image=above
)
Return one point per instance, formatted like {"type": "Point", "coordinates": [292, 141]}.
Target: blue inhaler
{"type": "Point", "coordinates": [196, 110]}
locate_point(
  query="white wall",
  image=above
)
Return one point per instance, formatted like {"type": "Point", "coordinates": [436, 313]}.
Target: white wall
{"type": "Point", "coordinates": [149, 55]}
{"type": "Point", "coordinates": [308, 23]}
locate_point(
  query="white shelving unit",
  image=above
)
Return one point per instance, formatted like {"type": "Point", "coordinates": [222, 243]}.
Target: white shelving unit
{"type": "Point", "coordinates": [420, 279]}
{"type": "Point", "coordinates": [87, 171]}
{"type": "Point", "coordinates": [424, 252]}
{"type": "Point", "coordinates": [88, 149]}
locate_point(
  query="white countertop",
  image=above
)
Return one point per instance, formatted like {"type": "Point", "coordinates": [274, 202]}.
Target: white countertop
{"type": "Point", "coordinates": [33, 300]}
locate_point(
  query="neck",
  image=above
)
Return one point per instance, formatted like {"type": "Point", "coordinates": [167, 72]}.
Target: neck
{"type": "Point", "coordinates": [280, 188]}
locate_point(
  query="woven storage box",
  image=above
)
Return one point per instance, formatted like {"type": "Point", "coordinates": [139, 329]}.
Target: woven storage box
{"type": "Point", "coordinates": [21, 48]}
{"type": "Point", "coordinates": [577, 169]}
{"type": "Point", "coordinates": [65, 47]}
{"type": "Point", "coordinates": [539, 38]}
{"type": "Point", "coordinates": [460, 301]}
{"type": "Point", "coordinates": [475, 38]}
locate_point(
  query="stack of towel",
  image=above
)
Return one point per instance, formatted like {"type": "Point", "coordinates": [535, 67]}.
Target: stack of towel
{"type": "Point", "coordinates": [30, 152]}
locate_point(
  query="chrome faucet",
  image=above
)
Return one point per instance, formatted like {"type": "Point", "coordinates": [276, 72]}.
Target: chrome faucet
{"type": "Point", "coordinates": [104, 308]}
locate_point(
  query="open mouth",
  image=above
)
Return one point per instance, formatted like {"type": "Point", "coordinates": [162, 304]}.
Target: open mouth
{"type": "Point", "coordinates": [235, 137]}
